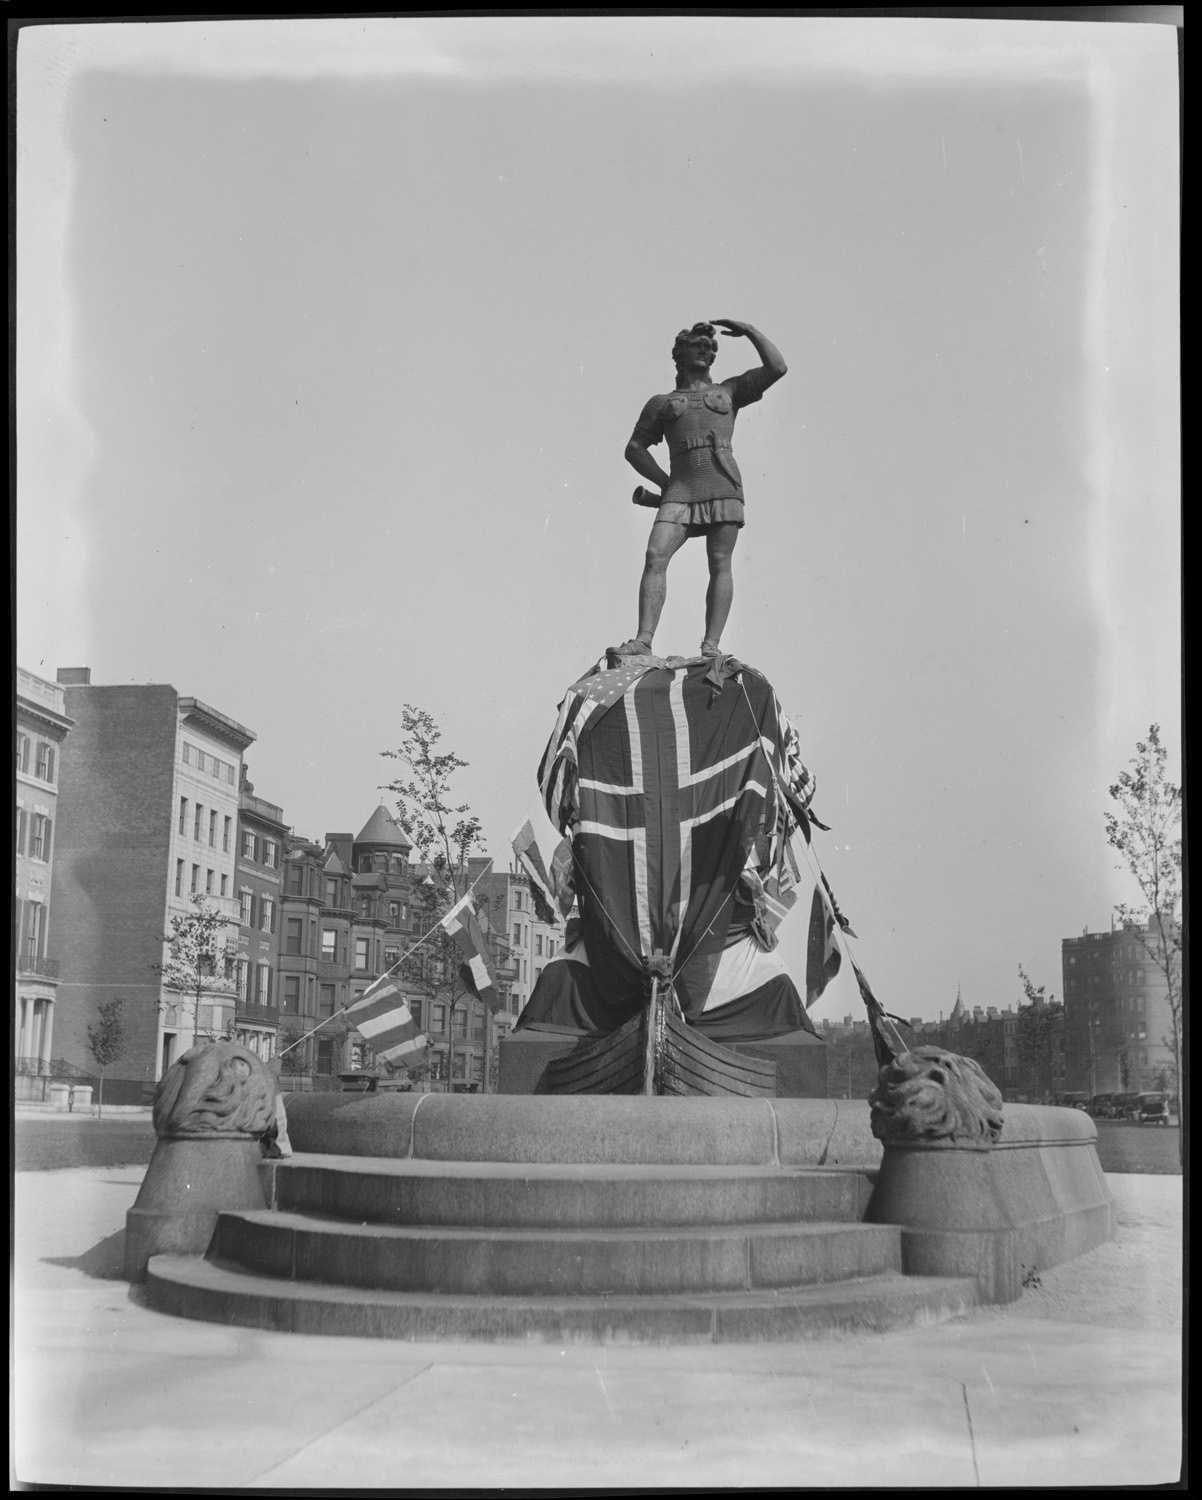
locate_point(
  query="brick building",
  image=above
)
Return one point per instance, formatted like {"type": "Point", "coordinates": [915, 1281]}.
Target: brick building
{"type": "Point", "coordinates": [262, 834]}
{"type": "Point", "coordinates": [1118, 1026]}
{"type": "Point", "coordinates": [148, 813]}
{"type": "Point", "coordinates": [42, 726]}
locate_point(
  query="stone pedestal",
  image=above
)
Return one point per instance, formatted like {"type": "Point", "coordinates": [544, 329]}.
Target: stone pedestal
{"type": "Point", "coordinates": [186, 1184]}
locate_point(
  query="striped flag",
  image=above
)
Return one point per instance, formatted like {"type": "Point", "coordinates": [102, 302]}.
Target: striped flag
{"type": "Point", "coordinates": [462, 924]}
{"type": "Point", "coordinates": [382, 1017]}
{"type": "Point", "coordinates": [529, 857]}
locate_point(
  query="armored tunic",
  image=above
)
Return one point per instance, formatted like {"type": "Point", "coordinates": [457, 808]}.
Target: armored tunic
{"type": "Point", "coordinates": [698, 426]}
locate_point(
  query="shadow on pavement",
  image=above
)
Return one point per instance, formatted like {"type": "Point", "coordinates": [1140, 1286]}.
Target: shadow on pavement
{"type": "Point", "coordinates": [103, 1262]}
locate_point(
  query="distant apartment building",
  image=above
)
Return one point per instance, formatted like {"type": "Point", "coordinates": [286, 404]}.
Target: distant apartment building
{"type": "Point", "coordinates": [526, 943]}
{"type": "Point", "coordinates": [1118, 1025]}
{"type": "Point", "coordinates": [148, 819]}
{"type": "Point", "coordinates": [42, 726]}
{"type": "Point", "coordinates": [348, 917]}
{"type": "Point", "coordinates": [258, 888]}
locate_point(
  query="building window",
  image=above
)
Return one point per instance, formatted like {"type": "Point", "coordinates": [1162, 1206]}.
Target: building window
{"type": "Point", "coordinates": [212, 829]}
{"type": "Point", "coordinates": [328, 940]}
{"type": "Point", "coordinates": [291, 1001]}
{"type": "Point", "coordinates": [517, 933]}
{"type": "Point", "coordinates": [392, 955]}
{"type": "Point", "coordinates": [179, 877]}
{"type": "Point", "coordinates": [459, 1021]}
{"type": "Point", "coordinates": [209, 878]}
{"type": "Point", "coordinates": [229, 775]}
{"type": "Point", "coordinates": [266, 914]}
{"type": "Point", "coordinates": [331, 892]}
{"type": "Point", "coordinates": [243, 968]}
{"type": "Point", "coordinates": [294, 929]}
{"type": "Point", "coordinates": [22, 751]}
{"type": "Point", "coordinates": [361, 947]}
{"type": "Point", "coordinates": [269, 853]}
{"type": "Point", "coordinates": [244, 901]}
{"type": "Point", "coordinates": [45, 770]}
{"type": "Point", "coordinates": [438, 1018]}
{"type": "Point", "coordinates": [293, 880]}
{"type": "Point", "coordinates": [225, 885]}
{"type": "Point", "coordinates": [187, 753]}
{"type": "Point", "coordinates": [248, 845]}
{"type": "Point", "coordinates": [197, 821]}
{"type": "Point", "coordinates": [183, 814]}
{"type": "Point", "coordinates": [263, 984]}
{"type": "Point", "coordinates": [195, 879]}
{"type": "Point", "coordinates": [326, 1000]}
{"type": "Point", "coordinates": [20, 829]}
{"type": "Point", "coordinates": [517, 901]}
{"type": "Point", "coordinates": [39, 837]}
{"type": "Point", "coordinates": [538, 946]}
{"type": "Point", "coordinates": [225, 835]}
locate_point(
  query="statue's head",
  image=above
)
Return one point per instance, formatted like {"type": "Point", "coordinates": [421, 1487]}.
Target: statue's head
{"type": "Point", "coordinates": [695, 347]}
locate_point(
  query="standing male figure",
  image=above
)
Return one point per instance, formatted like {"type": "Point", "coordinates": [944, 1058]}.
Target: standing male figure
{"type": "Point", "coordinates": [703, 493]}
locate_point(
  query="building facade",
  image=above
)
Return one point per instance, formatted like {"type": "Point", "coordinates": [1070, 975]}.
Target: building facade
{"type": "Point", "coordinates": [42, 726]}
{"type": "Point", "coordinates": [148, 815]}
{"type": "Point", "coordinates": [1118, 1023]}
{"type": "Point", "coordinates": [259, 877]}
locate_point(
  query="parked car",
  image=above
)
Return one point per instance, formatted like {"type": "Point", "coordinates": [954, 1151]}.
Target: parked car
{"type": "Point", "coordinates": [1099, 1106]}
{"type": "Point", "coordinates": [1153, 1109]}
{"type": "Point", "coordinates": [1126, 1106]}
{"type": "Point", "coordinates": [1073, 1101]}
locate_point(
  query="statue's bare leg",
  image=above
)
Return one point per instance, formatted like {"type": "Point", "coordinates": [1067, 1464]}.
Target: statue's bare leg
{"type": "Point", "coordinates": [663, 544]}
{"type": "Point", "coordinates": [719, 545]}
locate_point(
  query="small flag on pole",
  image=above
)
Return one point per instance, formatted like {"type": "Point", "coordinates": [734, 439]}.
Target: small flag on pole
{"type": "Point", "coordinates": [462, 924]}
{"type": "Point", "coordinates": [529, 857]}
{"type": "Point", "coordinates": [382, 1017]}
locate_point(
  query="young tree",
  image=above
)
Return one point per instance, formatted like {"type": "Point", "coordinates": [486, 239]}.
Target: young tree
{"type": "Point", "coordinates": [445, 834]}
{"type": "Point", "coordinates": [1039, 1020]}
{"type": "Point", "coordinates": [197, 962]}
{"type": "Point", "coordinates": [1144, 827]}
{"type": "Point", "coordinates": [106, 1042]}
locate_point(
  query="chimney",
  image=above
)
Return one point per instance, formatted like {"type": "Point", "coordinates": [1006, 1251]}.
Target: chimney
{"type": "Point", "coordinates": [74, 676]}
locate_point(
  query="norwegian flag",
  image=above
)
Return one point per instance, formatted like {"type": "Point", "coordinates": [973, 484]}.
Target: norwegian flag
{"type": "Point", "coordinates": [529, 857]}
{"type": "Point", "coordinates": [665, 784]}
{"type": "Point", "coordinates": [462, 925]}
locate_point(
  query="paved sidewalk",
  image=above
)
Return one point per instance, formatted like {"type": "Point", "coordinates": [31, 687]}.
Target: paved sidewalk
{"type": "Point", "coordinates": [1077, 1384]}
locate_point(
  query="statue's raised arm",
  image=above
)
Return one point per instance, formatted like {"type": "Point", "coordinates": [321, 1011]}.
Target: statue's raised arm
{"type": "Point", "coordinates": [702, 494]}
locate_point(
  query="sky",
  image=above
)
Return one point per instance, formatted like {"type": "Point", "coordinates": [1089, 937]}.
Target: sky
{"type": "Point", "coordinates": [330, 336]}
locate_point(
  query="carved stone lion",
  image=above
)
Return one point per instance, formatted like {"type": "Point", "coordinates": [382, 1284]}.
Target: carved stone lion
{"type": "Point", "coordinates": [930, 1095]}
{"type": "Point", "coordinates": [215, 1089]}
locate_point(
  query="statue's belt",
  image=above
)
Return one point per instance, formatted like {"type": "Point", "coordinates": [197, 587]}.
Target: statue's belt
{"type": "Point", "coordinates": [717, 446]}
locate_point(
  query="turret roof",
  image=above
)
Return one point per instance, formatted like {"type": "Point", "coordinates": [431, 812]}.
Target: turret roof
{"type": "Point", "coordinates": [383, 831]}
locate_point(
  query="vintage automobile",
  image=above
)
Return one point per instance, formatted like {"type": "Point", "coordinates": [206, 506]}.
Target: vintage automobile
{"type": "Point", "coordinates": [1153, 1109]}
{"type": "Point", "coordinates": [1099, 1106]}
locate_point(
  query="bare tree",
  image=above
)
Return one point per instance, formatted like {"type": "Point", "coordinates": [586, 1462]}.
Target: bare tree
{"type": "Point", "coordinates": [1145, 829]}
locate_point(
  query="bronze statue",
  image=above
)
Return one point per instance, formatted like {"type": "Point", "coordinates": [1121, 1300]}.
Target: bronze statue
{"type": "Point", "coordinates": [703, 494]}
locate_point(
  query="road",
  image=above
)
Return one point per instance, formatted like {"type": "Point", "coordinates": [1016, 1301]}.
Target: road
{"type": "Point", "coordinates": [54, 1142]}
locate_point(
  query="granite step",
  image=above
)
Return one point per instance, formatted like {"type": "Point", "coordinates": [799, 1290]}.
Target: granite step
{"type": "Point", "coordinates": [193, 1287]}
{"type": "Point", "coordinates": [517, 1195]}
{"type": "Point", "coordinates": [563, 1261]}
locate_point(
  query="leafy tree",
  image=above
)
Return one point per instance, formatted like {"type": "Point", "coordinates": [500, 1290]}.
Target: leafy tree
{"type": "Point", "coordinates": [106, 1042]}
{"type": "Point", "coordinates": [445, 833]}
{"type": "Point", "coordinates": [197, 961]}
{"type": "Point", "coordinates": [1039, 1023]}
{"type": "Point", "coordinates": [1144, 827]}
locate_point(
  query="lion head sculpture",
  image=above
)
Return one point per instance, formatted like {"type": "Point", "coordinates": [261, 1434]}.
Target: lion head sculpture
{"type": "Point", "coordinates": [215, 1089]}
{"type": "Point", "coordinates": [931, 1095]}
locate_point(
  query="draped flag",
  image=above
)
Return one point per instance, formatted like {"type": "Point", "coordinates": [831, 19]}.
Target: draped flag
{"type": "Point", "coordinates": [666, 784]}
{"type": "Point", "coordinates": [530, 859]}
{"type": "Point", "coordinates": [382, 1017]}
{"type": "Point", "coordinates": [823, 958]}
{"type": "Point", "coordinates": [462, 924]}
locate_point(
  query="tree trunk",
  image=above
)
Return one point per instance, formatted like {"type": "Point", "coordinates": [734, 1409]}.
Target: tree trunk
{"type": "Point", "coordinates": [100, 1095]}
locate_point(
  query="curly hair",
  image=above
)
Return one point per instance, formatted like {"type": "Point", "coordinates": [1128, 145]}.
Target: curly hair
{"type": "Point", "coordinates": [700, 333]}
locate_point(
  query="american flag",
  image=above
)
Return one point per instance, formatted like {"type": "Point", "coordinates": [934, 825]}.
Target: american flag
{"type": "Point", "coordinates": [382, 1017]}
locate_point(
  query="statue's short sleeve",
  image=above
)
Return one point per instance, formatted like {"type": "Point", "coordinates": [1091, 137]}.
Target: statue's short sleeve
{"type": "Point", "coordinates": [748, 387]}
{"type": "Point", "coordinates": [649, 429]}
